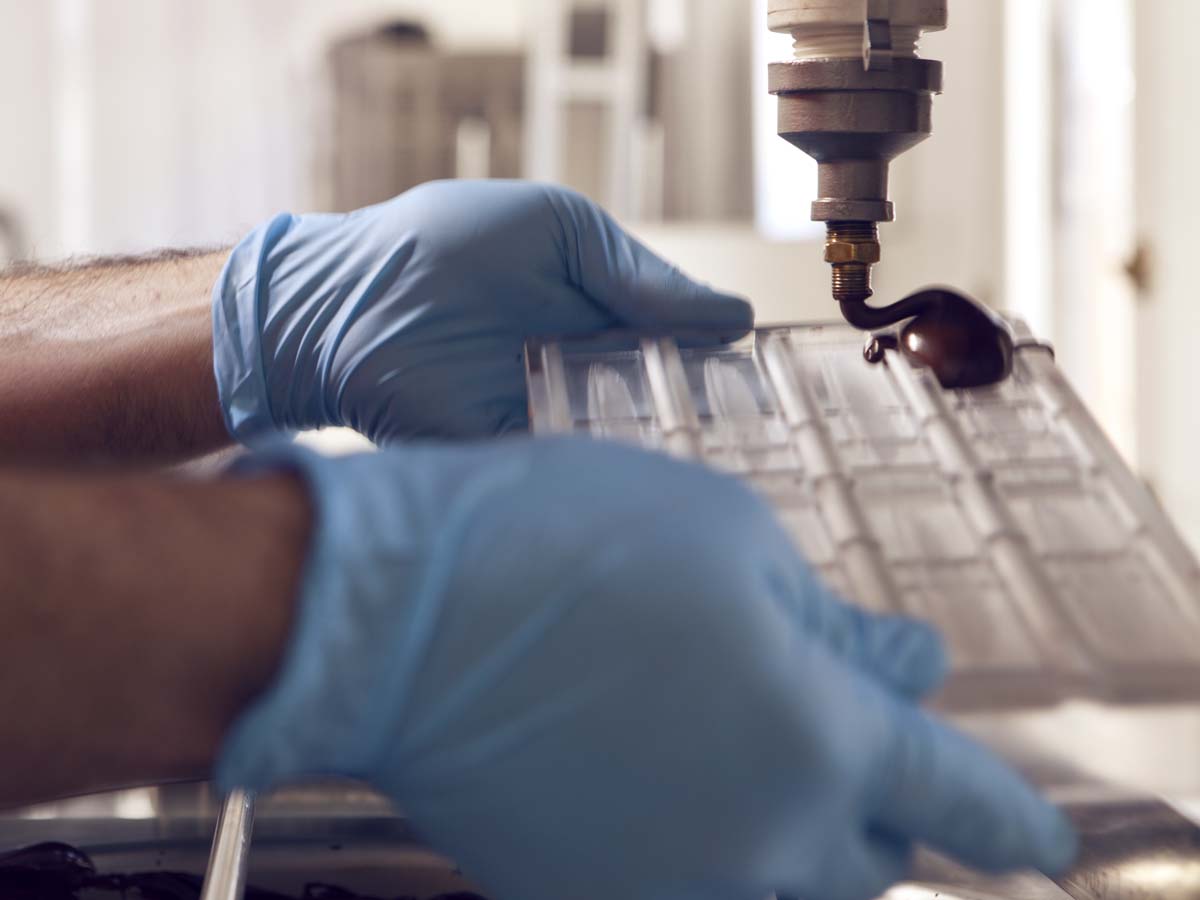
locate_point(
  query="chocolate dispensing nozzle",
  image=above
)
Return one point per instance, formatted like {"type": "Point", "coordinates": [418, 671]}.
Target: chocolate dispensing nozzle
{"type": "Point", "coordinates": [855, 97]}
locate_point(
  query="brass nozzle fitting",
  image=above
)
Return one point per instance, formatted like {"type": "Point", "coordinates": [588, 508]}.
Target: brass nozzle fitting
{"type": "Point", "coordinates": [852, 248]}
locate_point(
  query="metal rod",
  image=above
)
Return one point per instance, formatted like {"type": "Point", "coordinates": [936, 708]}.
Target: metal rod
{"type": "Point", "coordinates": [226, 875]}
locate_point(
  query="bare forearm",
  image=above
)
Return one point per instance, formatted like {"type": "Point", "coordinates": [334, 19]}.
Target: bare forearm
{"type": "Point", "coordinates": [139, 616]}
{"type": "Point", "coordinates": [110, 361]}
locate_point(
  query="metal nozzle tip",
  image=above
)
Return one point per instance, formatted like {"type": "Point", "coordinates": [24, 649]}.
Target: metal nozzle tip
{"type": "Point", "coordinates": [852, 283]}
{"type": "Point", "coordinates": [852, 248]}
{"type": "Point", "coordinates": [853, 297]}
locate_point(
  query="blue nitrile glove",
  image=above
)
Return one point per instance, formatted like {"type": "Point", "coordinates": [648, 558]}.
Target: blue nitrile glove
{"type": "Point", "coordinates": [408, 319]}
{"type": "Point", "coordinates": [588, 671]}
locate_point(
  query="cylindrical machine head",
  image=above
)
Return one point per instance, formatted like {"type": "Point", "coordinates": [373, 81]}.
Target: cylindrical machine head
{"type": "Point", "coordinates": [796, 17]}
{"type": "Point", "coordinates": [854, 122]}
{"type": "Point", "coordinates": [854, 98]}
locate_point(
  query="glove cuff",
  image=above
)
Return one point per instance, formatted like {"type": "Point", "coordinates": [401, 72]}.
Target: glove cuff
{"type": "Point", "coordinates": [239, 302]}
{"type": "Point", "coordinates": [368, 606]}
{"type": "Point", "coordinates": [309, 721]}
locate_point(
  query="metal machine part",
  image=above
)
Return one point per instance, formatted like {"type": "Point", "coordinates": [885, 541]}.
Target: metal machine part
{"type": "Point", "coordinates": [336, 843]}
{"type": "Point", "coordinates": [855, 97]}
{"type": "Point", "coordinates": [228, 860]}
{"type": "Point", "coordinates": [1131, 848]}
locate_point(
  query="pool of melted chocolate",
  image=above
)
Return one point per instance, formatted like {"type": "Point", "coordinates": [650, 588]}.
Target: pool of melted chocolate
{"type": "Point", "coordinates": [964, 343]}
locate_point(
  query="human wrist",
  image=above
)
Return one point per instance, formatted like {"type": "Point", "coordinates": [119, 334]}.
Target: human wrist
{"type": "Point", "coordinates": [109, 360]}
{"type": "Point", "coordinates": [145, 612]}
{"type": "Point", "coordinates": [228, 630]}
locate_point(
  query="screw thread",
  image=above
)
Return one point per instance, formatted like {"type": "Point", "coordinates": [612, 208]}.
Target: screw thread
{"type": "Point", "coordinates": [852, 280]}
{"type": "Point", "coordinates": [854, 232]}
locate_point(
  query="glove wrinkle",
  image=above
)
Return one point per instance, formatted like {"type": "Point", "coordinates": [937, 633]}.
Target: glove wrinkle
{"type": "Point", "coordinates": [383, 277]}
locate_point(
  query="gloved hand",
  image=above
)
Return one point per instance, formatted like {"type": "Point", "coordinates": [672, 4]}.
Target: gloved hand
{"type": "Point", "coordinates": [408, 319]}
{"type": "Point", "coordinates": [592, 672]}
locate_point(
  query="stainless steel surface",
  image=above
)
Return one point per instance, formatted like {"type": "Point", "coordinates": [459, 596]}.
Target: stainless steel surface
{"type": "Point", "coordinates": [939, 879]}
{"type": "Point", "coordinates": [1137, 849]}
{"type": "Point", "coordinates": [339, 834]}
{"type": "Point", "coordinates": [227, 864]}
{"type": "Point", "coordinates": [1134, 847]}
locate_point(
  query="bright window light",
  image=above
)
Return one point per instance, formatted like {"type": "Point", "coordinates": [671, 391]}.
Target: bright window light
{"type": "Point", "coordinates": [73, 124]}
{"type": "Point", "coordinates": [1028, 178]}
{"type": "Point", "coordinates": [785, 179]}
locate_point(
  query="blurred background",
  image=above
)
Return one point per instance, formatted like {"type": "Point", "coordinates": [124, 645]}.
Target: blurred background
{"type": "Point", "coordinates": [1057, 184]}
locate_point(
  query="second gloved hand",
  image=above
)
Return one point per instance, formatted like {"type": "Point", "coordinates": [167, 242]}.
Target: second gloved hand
{"type": "Point", "coordinates": [587, 671]}
{"type": "Point", "coordinates": [408, 319]}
